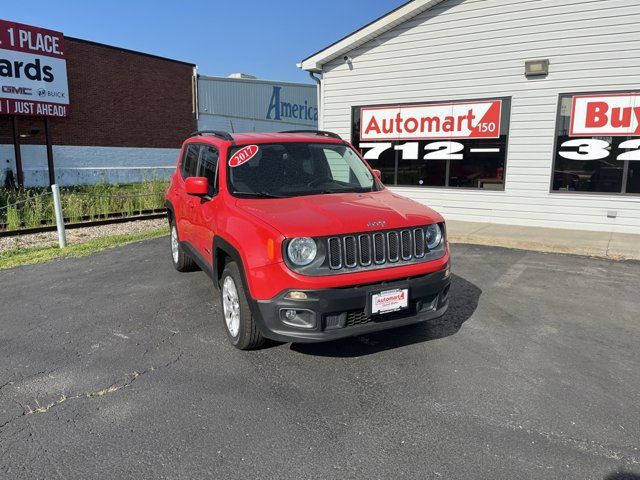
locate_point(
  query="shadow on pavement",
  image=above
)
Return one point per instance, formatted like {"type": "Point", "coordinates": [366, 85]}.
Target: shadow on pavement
{"type": "Point", "coordinates": [622, 475]}
{"type": "Point", "coordinates": [463, 302]}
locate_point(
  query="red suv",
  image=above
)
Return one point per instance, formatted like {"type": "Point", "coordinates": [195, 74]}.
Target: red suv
{"type": "Point", "coordinates": [301, 238]}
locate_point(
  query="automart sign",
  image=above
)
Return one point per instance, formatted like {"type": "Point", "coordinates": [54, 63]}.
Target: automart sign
{"type": "Point", "coordinates": [615, 115]}
{"type": "Point", "coordinates": [33, 71]}
{"type": "Point", "coordinates": [447, 144]}
{"type": "Point", "coordinates": [431, 121]}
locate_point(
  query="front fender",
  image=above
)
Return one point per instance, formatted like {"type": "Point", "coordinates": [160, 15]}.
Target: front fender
{"type": "Point", "coordinates": [249, 242]}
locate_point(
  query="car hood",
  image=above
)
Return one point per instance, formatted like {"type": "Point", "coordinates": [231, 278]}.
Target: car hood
{"type": "Point", "coordinates": [339, 213]}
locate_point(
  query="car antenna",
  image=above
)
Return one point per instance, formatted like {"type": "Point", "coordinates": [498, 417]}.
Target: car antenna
{"type": "Point", "coordinates": [232, 129]}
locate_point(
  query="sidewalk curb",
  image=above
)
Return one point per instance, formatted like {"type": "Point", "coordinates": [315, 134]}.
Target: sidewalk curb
{"type": "Point", "coordinates": [539, 247]}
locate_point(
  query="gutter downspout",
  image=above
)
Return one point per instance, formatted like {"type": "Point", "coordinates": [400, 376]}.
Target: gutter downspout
{"type": "Point", "coordinates": [319, 94]}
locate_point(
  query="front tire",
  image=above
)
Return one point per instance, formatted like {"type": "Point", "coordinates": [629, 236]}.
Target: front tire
{"type": "Point", "coordinates": [239, 324]}
{"type": "Point", "coordinates": [181, 261]}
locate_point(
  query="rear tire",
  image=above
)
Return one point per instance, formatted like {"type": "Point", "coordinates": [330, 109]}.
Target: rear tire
{"type": "Point", "coordinates": [239, 324]}
{"type": "Point", "coordinates": [181, 261]}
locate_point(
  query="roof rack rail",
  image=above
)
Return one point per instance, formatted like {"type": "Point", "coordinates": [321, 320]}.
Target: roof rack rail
{"type": "Point", "coordinates": [215, 133]}
{"type": "Point", "coordinates": [315, 132]}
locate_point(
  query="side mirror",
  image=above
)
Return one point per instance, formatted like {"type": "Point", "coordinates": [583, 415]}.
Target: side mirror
{"type": "Point", "coordinates": [198, 186]}
{"type": "Point", "coordinates": [377, 173]}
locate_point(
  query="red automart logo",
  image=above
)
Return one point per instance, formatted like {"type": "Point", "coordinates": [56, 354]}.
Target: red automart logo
{"type": "Point", "coordinates": [615, 115]}
{"type": "Point", "coordinates": [390, 299]}
{"type": "Point", "coordinates": [243, 155]}
{"type": "Point", "coordinates": [431, 121]}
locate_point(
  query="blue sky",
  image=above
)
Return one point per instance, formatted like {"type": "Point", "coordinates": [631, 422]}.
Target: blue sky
{"type": "Point", "coordinates": [265, 38]}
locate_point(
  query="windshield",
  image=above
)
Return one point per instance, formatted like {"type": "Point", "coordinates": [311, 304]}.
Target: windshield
{"type": "Point", "coordinates": [294, 169]}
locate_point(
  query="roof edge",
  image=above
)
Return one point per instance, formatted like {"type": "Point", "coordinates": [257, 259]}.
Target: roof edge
{"type": "Point", "coordinates": [256, 80]}
{"type": "Point", "coordinates": [404, 12]}
{"type": "Point", "coordinates": [127, 50]}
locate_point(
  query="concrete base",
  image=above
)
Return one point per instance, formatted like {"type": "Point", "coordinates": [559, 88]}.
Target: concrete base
{"type": "Point", "coordinates": [618, 246]}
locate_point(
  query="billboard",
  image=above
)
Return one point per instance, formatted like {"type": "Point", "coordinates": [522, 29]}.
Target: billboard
{"type": "Point", "coordinates": [33, 71]}
{"type": "Point", "coordinates": [460, 144]}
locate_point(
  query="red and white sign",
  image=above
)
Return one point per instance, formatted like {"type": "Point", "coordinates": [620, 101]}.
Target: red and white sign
{"type": "Point", "coordinates": [243, 155]}
{"type": "Point", "coordinates": [611, 115]}
{"type": "Point", "coordinates": [431, 121]}
{"type": "Point", "coordinates": [389, 301]}
{"type": "Point", "coordinates": [33, 71]}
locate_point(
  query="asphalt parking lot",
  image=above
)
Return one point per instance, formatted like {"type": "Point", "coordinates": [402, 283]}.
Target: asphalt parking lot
{"type": "Point", "coordinates": [116, 366]}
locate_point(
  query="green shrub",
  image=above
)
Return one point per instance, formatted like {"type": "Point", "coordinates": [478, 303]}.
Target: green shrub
{"type": "Point", "coordinates": [13, 219]}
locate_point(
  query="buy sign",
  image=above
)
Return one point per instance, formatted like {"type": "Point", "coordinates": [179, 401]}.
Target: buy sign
{"type": "Point", "coordinates": [612, 115]}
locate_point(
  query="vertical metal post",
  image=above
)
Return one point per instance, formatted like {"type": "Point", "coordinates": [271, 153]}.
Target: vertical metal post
{"type": "Point", "coordinates": [57, 205]}
{"type": "Point", "coordinates": [16, 149]}
{"type": "Point", "coordinates": [47, 136]}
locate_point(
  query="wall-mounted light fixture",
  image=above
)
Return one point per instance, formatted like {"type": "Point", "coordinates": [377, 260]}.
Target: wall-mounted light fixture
{"type": "Point", "coordinates": [32, 131]}
{"type": "Point", "coordinates": [536, 68]}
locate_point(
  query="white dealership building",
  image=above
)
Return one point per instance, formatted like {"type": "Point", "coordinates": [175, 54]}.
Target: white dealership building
{"type": "Point", "coordinates": [522, 112]}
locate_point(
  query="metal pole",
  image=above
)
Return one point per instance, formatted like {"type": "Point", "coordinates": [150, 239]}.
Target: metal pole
{"type": "Point", "coordinates": [57, 205]}
{"type": "Point", "coordinates": [16, 149]}
{"type": "Point", "coordinates": [47, 136]}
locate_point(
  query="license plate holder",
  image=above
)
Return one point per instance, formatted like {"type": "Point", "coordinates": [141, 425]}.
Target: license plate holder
{"type": "Point", "coordinates": [388, 301]}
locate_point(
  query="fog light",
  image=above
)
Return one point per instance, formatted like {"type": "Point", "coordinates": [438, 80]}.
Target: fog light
{"type": "Point", "coordinates": [447, 271]}
{"type": "Point", "coordinates": [296, 296]}
{"type": "Point", "coordinates": [298, 318]}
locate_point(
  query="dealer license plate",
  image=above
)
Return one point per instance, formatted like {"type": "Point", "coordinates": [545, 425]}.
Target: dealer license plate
{"type": "Point", "coordinates": [389, 301]}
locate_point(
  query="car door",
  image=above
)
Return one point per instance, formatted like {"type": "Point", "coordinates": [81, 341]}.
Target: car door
{"type": "Point", "coordinates": [184, 213]}
{"type": "Point", "coordinates": [205, 209]}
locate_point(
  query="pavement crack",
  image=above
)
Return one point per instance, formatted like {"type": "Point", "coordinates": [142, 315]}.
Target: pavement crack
{"type": "Point", "coordinates": [39, 408]}
{"type": "Point", "coordinates": [8, 382]}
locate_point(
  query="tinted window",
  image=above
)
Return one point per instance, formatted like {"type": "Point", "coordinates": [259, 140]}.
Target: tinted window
{"type": "Point", "coordinates": [190, 160]}
{"type": "Point", "coordinates": [599, 162]}
{"type": "Point", "coordinates": [475, 161]}
{"type": "Point", "coordinates": [208, 167]}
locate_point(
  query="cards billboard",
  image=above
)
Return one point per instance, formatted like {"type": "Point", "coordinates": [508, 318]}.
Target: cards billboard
{"type": "Point", "coordinates": [33, 71]}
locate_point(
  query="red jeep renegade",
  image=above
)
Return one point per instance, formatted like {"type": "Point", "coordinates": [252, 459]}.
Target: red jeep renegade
{"type": "Point", "coordinates": [301, 238]}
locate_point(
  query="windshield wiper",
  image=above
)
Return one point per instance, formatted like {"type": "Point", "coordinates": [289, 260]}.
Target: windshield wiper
{"type": "Point", "coordinates": [346, 190]}
{"type": "Point", "coordinates": [258, 194]}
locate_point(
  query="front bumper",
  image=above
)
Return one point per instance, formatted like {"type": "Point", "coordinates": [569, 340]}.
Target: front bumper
{"type": "Point", "coordinates": [341, 312]}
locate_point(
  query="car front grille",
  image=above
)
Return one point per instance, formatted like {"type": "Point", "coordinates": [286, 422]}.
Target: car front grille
{"type": "Point", "coordinates": [376, 249]}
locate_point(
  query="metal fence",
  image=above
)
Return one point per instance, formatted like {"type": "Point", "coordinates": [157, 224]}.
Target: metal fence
{"type": "Point", "coordinates": [56, 208]}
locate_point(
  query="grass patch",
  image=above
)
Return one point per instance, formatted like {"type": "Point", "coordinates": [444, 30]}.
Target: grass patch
{"type": "Point", "coordinates": [29, 256]}
{"type": "Point", "coordinates": [83, 201]}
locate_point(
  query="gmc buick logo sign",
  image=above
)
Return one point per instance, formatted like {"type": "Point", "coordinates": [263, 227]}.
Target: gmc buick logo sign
{"type": "Point", "coordinates": [377, 223]}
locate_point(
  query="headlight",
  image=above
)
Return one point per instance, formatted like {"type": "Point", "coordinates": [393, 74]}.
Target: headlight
{"type": "Point", "coordinates": [433, 236]}
{"type": "Point", "coordinates": [302, 251]}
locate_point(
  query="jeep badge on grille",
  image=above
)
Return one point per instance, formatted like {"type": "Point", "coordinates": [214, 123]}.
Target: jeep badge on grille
{"type": "Point", "coordinates": [377, 223]}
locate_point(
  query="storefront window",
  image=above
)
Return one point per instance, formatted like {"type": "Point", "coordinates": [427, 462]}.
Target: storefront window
{"type": "Point", "coordinates": [597, 145]}
{"type": "Point", "coordinates": [633, 180]}
{"type": "Point", "coordinates": [444, 144]}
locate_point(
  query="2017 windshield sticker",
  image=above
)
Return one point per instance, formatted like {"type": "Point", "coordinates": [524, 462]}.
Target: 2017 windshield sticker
{"type": "Point", "coordinates": [243, 155]}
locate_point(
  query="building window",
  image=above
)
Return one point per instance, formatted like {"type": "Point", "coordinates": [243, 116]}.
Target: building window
{"type": "Point", "coordinates": [461, 144]}
{"type": "Point", "coordinates": [597, 143]}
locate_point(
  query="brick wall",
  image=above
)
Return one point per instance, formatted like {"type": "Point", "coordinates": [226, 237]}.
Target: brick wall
{"type": "Point", "coordinates": [118, 99]}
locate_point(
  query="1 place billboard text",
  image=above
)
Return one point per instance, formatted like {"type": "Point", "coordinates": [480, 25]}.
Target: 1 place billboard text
{"type": "Point", "coordinates": [33, 71]}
